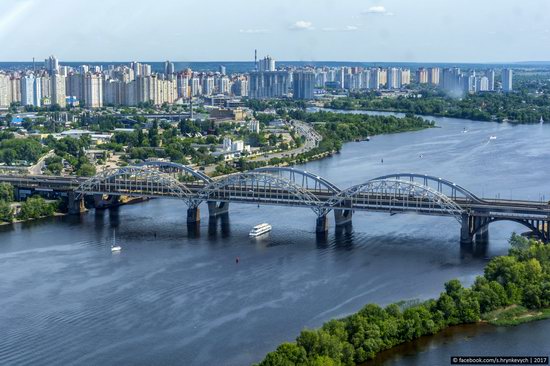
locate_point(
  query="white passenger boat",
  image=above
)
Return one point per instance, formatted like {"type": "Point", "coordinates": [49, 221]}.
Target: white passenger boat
{"type": "Point", "coordinates": [114, 246]}
{"type": "Point", "coordinates": [260, 229]}
{"type": "Point", "coordinates": [492, 138]}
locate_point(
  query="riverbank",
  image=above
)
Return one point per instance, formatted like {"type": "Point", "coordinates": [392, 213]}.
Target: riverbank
{"type": "Point", "coordinates": [124, 200]}
{"type": "Point", "coordinates": [19, 221]}
{"type": "Point", "coordinates": [510, 292]}
{"type": "Point", "coordinates": [335, 130]}
{"type": "Point", "coordinates": [515, 315]}
{"type": "Point", "coordinates": [520, 108]}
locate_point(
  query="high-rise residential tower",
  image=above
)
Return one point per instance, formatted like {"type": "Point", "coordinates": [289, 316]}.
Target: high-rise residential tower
{"type": "Point", "coordinates": [507, 80]}
{"type": "Point", "coordinates": [303, 84]}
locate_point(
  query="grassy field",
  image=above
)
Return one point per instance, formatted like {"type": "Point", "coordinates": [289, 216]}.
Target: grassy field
{"type": "Point", "coordinates": [514, 315]}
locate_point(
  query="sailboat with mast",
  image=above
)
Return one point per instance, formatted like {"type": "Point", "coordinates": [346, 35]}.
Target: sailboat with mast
{"type": "Point", "coordinates": [114, 246]}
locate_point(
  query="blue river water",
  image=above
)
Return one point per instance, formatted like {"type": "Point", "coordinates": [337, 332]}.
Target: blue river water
{"type": "Point", "coordinates": [176, 297]}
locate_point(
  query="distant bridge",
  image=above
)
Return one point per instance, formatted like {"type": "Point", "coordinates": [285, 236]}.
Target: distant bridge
{"type": "Point", "coordinates": [396, 193]}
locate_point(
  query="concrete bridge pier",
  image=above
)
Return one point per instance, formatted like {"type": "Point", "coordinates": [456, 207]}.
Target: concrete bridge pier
{"type": "Point", "coordinates": [75, 206]}
{"type": "Point", "coordinates": [193, 215]}
{"type": "Point", "coordinates": [217, 208]}
{"type": "Point", "coordinates": [101, 202]}
{"type": "Point", "coordinates": [321, 225]}
{"type": "Point", "coordinates": [482, 236]}
{"type": "Point", "coordinates": [342, 216]}
{"type": "Point", "coordinates": [465, 237]}
{"type": "Point", "coordinates": [194, 229]}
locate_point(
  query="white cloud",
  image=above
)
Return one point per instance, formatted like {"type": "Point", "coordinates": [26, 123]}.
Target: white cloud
{"type": "Point", "coordinates": [302, 25]}
{"type": "Point", "coordinates": [254, 31]}
{"type": "Point", "coordinates": [347, 28]}
{"type": "Point", "coordinates": [379, 9]}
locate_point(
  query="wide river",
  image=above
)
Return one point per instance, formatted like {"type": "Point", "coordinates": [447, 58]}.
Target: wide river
{"type": "Point", "coordinates": [177, 298]}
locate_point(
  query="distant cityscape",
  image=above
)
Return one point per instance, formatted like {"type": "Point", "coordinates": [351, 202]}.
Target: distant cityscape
{"type": "Point", "coordinates": [135, 84]}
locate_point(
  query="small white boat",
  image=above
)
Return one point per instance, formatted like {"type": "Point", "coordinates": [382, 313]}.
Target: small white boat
{"type": "Point", "coordinates": [464, 130]}
{"type": "Point", "coordinates": [114, 246]}
{"type": "Point", "coordinates": [492, 138]}
{"type": "Point", "coordinates": [260, 229]}
{"type": "Point", "coordinates": [541, 120]}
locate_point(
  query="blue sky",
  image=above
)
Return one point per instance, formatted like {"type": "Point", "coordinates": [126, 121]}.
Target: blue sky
{"type": "Point", "coordinates": [307, 30]}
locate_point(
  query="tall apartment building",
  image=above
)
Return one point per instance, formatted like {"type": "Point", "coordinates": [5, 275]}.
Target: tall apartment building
{"type": "Point", "coordinates": [169, 68]}
{"type": "Point", "coordinates": [365, 79]}
{"type": "Point", "coordinates": [182, 81]}
{"type": "Point", "coordinates": [31, 91]}
{"type": "Point", "coordinates": [240, 87]}
{"type": "Point", "coordinates": [375, 81]}
{"type": "Point", "coordinates": [303, 85]}
{"type": "Point", "coordinates": [224, 85]}
{"type": "Point", "coordinates": [491, 79]}
{"type": "Point", "coordinates": [434, 75]}
{"type": "Point", "coordinates": [52, 65]}
{"type": "Point", "coordinates": [75, 86]}
{"type": "Point", "coordinates": [114, 92]}
{"type": "Point", "coordinates": [383, 77]}
{"type": "Point", "coordinates": [266, 64]}
{"type": "Point", "coordinates": [394, 78]}
{"type": "Point", "coordinates": [482, 84]}
{"type": "Point", "coordinates": [47, 87]}
{"type": "Point", "coordinates": [93, 90]}
{"type": "Point", "coordinates": [422, 76]}
{"type": "Point", "coordinates": [195, 86]}
{"type": "Point", "coordinates": [405, 76]}
{"type": "Point", "coordinates": [273, 84]}
{"type": "Point", "coordinates": [507, 80]}
{"type": "Point", "coordinates": [208, 85]}
{"type": "Point", "coordinates": [5, 90]}
{"type": "Point", "coordinates": [58, 90]}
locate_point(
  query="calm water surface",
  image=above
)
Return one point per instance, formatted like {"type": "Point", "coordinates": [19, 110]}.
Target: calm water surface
{"type": "Point", "coordinates": [174, 297]}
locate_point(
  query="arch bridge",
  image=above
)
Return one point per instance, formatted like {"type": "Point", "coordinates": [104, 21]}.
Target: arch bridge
{"type": "Point", "coordinates": [282, 186]}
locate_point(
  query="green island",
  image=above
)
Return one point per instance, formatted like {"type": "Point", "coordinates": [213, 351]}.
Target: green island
{"type": "Point", "coordinates": [513, 289]}
{"type": "Point", "coordinates": [523, 106]}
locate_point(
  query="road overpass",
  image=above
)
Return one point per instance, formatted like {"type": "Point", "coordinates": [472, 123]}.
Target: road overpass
{"type": "Point", "coordinates": [394, 194]}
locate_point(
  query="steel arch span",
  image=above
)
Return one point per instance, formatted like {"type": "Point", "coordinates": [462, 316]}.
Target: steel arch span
{"type": "Point", "coordinates": [134, 181]}
{"type": "Point", "coordinates": [261, 188]}
{"type": "Point", "coordinates": [542, 234]}
{"type": "Point", "coordinates": [170, 167]}
{"type": "Point", "coordinates": [302, 178]}
{"type": "Point", "coordinates": [444, 186]}
{"type": "Point", "coordinates": [396, 196]}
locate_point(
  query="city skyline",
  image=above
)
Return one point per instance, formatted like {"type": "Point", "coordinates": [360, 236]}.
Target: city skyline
{"type": "Point", "coordinates": [351, 30]}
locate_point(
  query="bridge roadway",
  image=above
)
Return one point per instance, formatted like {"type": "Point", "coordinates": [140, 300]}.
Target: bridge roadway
{"type": "Point", "coordinates": [400, 193]}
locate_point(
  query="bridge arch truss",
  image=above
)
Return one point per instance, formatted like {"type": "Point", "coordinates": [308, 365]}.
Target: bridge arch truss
{"type": "Point", "coordinates": [443, 186]}
{"type": "Point", "coordinates": [302, 178]}
{"type": "Point", "coordinates": [396, 196]}
{"type": "Point", "coordinates": [539, 226]}
{"type": "Point", "coordinates": [134, 181]}
{"type": "Point", "coordinates": [178, 171]}
{"type": "Point", "coordinates": [261, 188]}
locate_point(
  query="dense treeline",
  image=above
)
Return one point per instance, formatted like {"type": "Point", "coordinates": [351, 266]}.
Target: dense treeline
{"type": "Point", "coordinates": [337, 128]}
{"type": "Point", "coordinates": [36, 207]}
{"type": "Point", "coordinates": [71, 150]}
{"type": "Point", "coordinates": [520, 107]}
{"type": "Point", "coordinates": [6, 197]}
{"type": "Point", "coordinates": [13, 150]}
{"type": "Point", "coordinates": [520, 278]}
{"type": "Point", "coordinates": [32, 208]}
